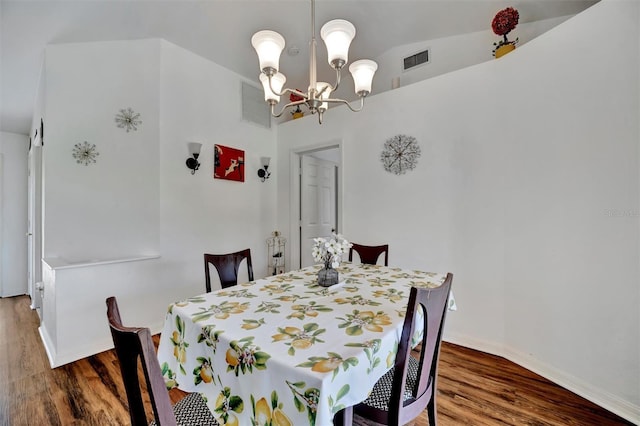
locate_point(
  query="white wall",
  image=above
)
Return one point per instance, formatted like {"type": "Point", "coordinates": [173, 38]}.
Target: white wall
{"type": "Point", "coordinates": [200, 101]}
{"type": "Point", "coordinates": [527, 190]}
{"type": "Point", "coordinates": [450, 53]}
{"type": "Point", "coordinates": [139, 198]}
{"type": "Point", "coordinates": [13, 204]}
{"type": "Point", "coordinates": [108, 209]}
{"type": "Point", "coordinates": [575, 168]}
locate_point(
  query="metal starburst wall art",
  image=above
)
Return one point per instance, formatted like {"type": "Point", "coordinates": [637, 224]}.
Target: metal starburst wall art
{"type": "Point", "coordinates": [400, 154]}
{"type": "Point", "coordinates": [85, 153]}
{"type": "Point", "coordinates": [128, 119]}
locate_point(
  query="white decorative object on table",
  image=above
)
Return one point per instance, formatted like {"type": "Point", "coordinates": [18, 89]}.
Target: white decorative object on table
{"type": "Point", "coordinates": [329, 252]}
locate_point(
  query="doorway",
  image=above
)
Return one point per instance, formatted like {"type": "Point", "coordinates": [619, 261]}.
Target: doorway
{"type": "Point", "coordinates": [316, 199]}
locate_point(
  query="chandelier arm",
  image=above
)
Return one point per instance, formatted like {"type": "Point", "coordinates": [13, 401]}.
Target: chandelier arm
{"type": "Point", "coordinates": [319, 94]}
{"type": "Point", "coordinates": [338, 79]}
{"type": "Point", "coordinates": [273, 111]}
{"type": "Point", "coordinates": [342, 101]}
{"type": "Point", "coordinates": [284, 108]}
{"type": "Point", "coordinates": [287, 90]}
{"type": "Point", "coordinates": [290, 104]}
{"type": "Point", "coordinates": [297, 92]}
{"type": "Point", "coordinates": [273, 90]}
{"type": "Point", "coordinates": [324, 88]}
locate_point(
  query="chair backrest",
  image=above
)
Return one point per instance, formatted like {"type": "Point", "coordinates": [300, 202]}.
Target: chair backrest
{"type": "Point", "coordinates": [370, 254]}
{"type": "Point", "coordinates": [227, 266]}
{"type": "Point", "coordinates": [432, 302]}
{"type": "Point", "coordinates": [133, 344]}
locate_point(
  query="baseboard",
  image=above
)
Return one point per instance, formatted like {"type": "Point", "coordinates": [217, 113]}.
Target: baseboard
{"type": "Point", "coordinates": [606, 400]}
{"type": "Point", "coordinates": [48, 345]}
{"type": "Point", "coordinates": [82, 351]}
{"type": "Point", "coordinates": [473, 343]}
{"type": "Point", "coordinates": [58, 358]}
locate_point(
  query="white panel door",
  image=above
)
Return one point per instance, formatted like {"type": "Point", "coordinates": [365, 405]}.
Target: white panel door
{"type": "Point", "coordinates": [318, 203]}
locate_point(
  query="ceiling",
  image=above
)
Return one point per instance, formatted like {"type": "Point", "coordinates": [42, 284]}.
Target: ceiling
{"type": "Point", "coordinates": [221, 31]}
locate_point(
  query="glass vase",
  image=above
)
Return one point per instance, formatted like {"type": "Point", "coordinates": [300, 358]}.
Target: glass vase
{"type": "Point", "coordinates": [327, 276]}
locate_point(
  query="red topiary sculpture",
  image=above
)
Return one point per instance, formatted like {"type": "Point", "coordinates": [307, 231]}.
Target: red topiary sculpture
{"type": "Point", "coordinates": [503, 23]}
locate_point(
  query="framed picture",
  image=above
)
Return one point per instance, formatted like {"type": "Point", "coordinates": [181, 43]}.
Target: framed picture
{"type": "Point", "coordinates": [228, 163]}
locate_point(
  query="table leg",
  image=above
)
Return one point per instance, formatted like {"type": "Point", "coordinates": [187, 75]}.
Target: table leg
{"type": "Point", "coordinates": [344, 417]}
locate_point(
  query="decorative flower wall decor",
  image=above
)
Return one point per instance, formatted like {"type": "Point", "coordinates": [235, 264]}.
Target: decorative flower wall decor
{"type": "Point", "coordinates": [503, 23]}
{"type": "Point", "coordinates": [400, 154]}
{"type": "Point", "coordinates": [85, 153]}
{"type": "Point", "coordinates": [128, 119]}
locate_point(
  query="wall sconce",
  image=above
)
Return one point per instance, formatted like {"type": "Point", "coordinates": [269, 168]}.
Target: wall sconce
{"type": "Point", "coordinates": [264, 173]}
{"type": "Point", "coordinates": [192, 162]}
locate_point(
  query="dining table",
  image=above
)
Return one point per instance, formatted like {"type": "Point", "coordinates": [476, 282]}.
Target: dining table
{"type": "Point", "coordinates": [284, 350]}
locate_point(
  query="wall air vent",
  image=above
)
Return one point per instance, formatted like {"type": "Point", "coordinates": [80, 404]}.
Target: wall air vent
{"type": "Point", "coordinates": [254, 108]}
{"type": "Point", "coordinates": [415, 60]}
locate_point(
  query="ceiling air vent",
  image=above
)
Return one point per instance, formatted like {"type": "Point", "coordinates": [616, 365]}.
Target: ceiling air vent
{"type": "Point", "coordinates": [415, 60]}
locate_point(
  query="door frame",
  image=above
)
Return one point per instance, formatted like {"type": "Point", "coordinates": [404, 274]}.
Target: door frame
{"type": "Point", "coordinates": [2, 242]}
{"type": "Point", "coordinates": [34, 232]}
{"type": "Point", "coordinates": [295, 158]}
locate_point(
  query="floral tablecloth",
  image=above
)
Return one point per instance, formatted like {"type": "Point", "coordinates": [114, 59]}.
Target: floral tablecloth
{"type": "Point", "coordinates": [285, 351]}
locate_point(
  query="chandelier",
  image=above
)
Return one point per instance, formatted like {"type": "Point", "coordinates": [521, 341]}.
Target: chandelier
{"type": "Point", "coordinates": [337, 36]}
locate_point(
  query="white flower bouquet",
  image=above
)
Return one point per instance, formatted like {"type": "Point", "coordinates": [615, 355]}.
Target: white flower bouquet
{"type": "Point", "coordinates": [330, 251]}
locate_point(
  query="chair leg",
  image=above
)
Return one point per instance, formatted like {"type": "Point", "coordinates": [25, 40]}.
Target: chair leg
{"type": "Point", "coordinates": [431, 410]}
{"type": "Point", "coordinates": [344, 417]}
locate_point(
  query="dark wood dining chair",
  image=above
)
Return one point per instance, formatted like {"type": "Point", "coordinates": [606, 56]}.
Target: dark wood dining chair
{"type": "Point", "coordinates": [370, 254]}
{"type": "Point", "coordinates": [227, 266]}
{"type": "Point", "coordinates": [133, 344]}
{"type": "Point", "coordinates": [409, 387]}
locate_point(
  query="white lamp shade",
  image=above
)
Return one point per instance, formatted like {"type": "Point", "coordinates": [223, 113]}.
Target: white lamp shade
{"type": "Point", "coordinates": [326, 94]}
{"type": "Point", "coordinates": [337, 36]}
{"type": "Point", "coordinates": [194, 148]}
{"type": "Point", "coordinates": [362, 72]}
{"type": "Point", "coordinates": [277, 81]}
{"type": "Point", "coordinates": [268, 45]}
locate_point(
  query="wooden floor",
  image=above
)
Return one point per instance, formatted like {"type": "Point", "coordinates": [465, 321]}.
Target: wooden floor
{"type": "Point", "coordinates": [474, 388]}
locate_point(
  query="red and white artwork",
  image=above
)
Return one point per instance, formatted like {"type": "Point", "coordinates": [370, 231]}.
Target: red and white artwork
{"type": "Point", "coordinates": [228, 163]}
